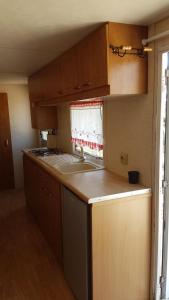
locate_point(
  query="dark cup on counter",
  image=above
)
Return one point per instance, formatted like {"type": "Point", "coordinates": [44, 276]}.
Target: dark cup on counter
{"type": "Point", "coordinates": [133, 177]}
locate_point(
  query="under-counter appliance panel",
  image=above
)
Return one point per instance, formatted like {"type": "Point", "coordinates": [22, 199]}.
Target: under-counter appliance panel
{"type": "Point", "coordinates": [75, 224]}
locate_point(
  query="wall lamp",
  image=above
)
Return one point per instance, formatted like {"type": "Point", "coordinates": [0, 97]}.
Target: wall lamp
{"type": "Point", "coordinates": [129, 50]}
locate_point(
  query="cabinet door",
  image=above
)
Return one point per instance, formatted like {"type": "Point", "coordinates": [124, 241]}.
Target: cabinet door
{"type": "Point", "coordinates": [43, 198]}
{"type": "Point", "coordinates": [53, 84]}
{"type": "Point", "coordinates": [35, 84]}
{"type": "Point", "coordinates": [92, 60]}
{"type": "Point", "coordinates": [31, 186]}
{"type": "Point", "coordinates": [51, 213]}
{"type": "Point", "coordinates": [69, 73]}
{"type": "Point", "coordinates": [121, 243]}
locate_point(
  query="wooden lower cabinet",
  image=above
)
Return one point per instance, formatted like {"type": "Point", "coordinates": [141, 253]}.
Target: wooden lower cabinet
{"type": "Point", "coordinates": [119, 240]}
{"type": "Point", "coordinates": [43, 196]}
{"type": "Point", "coordinates": [121, 243]}
{"type": "Point", "coordinates": [106, 245]}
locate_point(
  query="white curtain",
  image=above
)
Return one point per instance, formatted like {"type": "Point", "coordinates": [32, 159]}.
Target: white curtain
{"type": "Point", "coordinates": [87, 123]}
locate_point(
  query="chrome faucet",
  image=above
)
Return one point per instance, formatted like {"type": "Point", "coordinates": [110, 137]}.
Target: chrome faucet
{"type": "Point", "coordinates": [82, 156]}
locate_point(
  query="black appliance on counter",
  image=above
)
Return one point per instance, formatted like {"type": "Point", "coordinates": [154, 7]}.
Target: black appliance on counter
{"type": "Point", "coordinates": [45, 151]}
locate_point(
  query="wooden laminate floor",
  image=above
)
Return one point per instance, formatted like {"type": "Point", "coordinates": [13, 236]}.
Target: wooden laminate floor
{"type": "Point", "coordinates": [28, 268]}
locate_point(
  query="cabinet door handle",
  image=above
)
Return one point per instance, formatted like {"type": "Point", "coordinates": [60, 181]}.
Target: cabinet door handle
{"type": "Point", "coordinates": [6, 143]}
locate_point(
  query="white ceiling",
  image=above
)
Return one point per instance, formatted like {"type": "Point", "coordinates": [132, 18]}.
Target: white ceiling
{"type": "Point", "coordinates": [34, 32]}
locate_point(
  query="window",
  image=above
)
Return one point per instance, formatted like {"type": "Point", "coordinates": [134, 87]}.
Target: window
{"type": "Point", "coordinates": [87, 126]}
{"type": "Point", "coordinates": [44, 135]}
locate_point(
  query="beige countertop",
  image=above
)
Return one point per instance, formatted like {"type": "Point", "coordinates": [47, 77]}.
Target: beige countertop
{"type": "Point", "coordinates": [94, 186]}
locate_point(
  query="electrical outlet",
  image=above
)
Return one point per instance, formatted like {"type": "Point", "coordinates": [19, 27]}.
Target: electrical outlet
{"type": "Point", "coordinates": [124, 158]}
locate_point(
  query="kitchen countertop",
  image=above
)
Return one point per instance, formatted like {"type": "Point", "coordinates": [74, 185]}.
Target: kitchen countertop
{"type": "Point", "coordinates": [94, 186]}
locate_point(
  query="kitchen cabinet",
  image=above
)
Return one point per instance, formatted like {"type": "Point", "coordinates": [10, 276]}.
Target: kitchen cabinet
{"type": "Point", "coordinates": [112, 239]}
{"type": "Point", "coordinates": [121, 247]}
{"type": "Point", "coordinates": [40, 87]}
{"type": "Point", "coordinates": [92, 60]}
{"type": "Point", "coordinates": [106, 243]}
{"type": "Point", "coordinates": [43, 117]}
{"type": "Point", "coordinates": [68, 61]}
{"type": "Point", "coordinates": [36, 89]}
{"type": "Point", "coordinates": [43, 197]}
{"type": "Point", "coordinates": [53, 84]}
{"type": "Point", "coordinates": [90, 69]}
{"type": "Point", "coordinates": [128, 74]}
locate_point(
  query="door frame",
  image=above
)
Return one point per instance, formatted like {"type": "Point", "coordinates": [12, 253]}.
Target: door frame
{"type": "Point", "coordinates": [165, 258]}
{"type": "Point", "coordinates": [158, 207]}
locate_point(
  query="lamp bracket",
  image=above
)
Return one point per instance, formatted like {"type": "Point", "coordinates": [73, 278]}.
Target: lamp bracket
{"type": "Point", "coordinates": [121, 51]}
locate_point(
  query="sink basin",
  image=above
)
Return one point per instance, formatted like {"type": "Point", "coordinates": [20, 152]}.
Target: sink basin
{"type": "Point", "coordinates": [67, 164]}
{"type": "Point", "coordinates": [77, 167]}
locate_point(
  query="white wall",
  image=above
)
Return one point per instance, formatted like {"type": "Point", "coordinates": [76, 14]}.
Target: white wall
{"type": "Point", "coordinates": [23, 136]}
{"type": "Point", "coordinates": [128, 129]}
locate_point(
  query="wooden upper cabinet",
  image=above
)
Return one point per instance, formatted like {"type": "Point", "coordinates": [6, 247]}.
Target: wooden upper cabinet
{"type": "Point", "coordinates": [90, 69]}
{"type": "Point", "coordinates": [92, 60]}
{"type": "Point", "coordinates": [128, 74]}
{"type": "Point", "coordinates": [53, 87]}
{"type": "Point", "coordinates": [36, 89]}
{"type": "Point", "coordinates": [43, 117]}
{"type": "Point", "coordinates": [69, 74]}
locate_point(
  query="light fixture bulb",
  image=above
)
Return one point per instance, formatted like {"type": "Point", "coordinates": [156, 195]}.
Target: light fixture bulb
{"type": "Point", "coordinates": [147, 49]}
{"type": "Point", "coordinates": [126, 48]}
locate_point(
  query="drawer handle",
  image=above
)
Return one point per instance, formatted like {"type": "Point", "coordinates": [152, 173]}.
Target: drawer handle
{"type": "Point", "coordinates": [87, 84]}
{"type": "Point", "coordinates": [78, 87]}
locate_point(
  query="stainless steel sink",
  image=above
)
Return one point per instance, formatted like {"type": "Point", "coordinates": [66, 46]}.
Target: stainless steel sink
{"type": "Point", "coordinates": [77, 167]}
{"type": "Point", "coordinates": [67, 164]}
